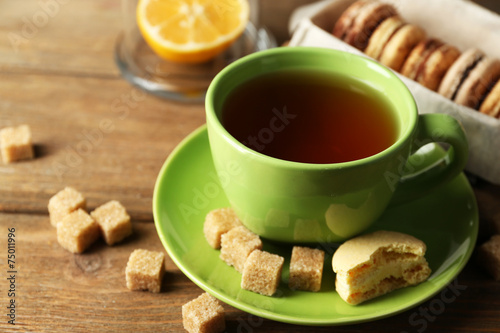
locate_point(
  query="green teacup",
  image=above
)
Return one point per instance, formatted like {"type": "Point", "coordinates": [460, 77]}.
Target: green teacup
{"type": "Point", "coordinates": [302, 202]}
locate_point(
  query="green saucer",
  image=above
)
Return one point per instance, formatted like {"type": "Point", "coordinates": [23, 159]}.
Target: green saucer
{"type": "Point", "coordinates": [187, 188]}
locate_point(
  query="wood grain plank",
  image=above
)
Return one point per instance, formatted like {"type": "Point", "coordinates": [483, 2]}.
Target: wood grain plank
{"type": "Point", "coordinates": [57, 291]}
{"type": "Point", "coordinates": [104, 137]}
{"type": "Point", "coordinates": [95, 132]}
{"type": "Point", "coordinates": [76, 36]}
{"type": "Point", "coordinates": [68, 292]}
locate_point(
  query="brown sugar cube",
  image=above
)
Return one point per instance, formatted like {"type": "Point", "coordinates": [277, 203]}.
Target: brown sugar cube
{"type": "Point", "coordinates": [203, 314]}
{"type": "Point", "coordinates": [236, 246]}
{"type": "Point", "coordinates": [113, 220]}
{"type": "Point", "coordinates": [77, 231]}
{"type": "Point", "coordinates": [145, 270]}
{"type": "Point", "coordinates": [64, 202]}
{"type": "Point", "coordinates": [217, 223]}
{"type": "Point", "coordinates": [262, 272]}
{"type": "Point", "coordinates": [16, 143]}
{"type": "Point", "coordinates": [489, 256]}
{"type": "Point", "coordinates": [306, 269]}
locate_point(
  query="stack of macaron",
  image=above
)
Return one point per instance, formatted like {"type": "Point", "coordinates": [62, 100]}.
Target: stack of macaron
{"type": "Point", "coordinates": [470, 78]}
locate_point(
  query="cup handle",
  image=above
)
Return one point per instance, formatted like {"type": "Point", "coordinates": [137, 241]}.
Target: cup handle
{"type": "Point", "coordinates": [434, 127]}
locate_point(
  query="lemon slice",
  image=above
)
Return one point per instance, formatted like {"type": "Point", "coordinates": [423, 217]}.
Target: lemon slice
{"type": "Point", "coordinates": [191, 31]}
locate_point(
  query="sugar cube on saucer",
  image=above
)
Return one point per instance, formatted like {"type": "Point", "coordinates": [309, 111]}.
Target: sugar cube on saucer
{"type": "Point", "coordinates": [218, 222]}
{"type": "Point", "coordinates": [306, 268]}
{"type": "Point", "coordinates": [262, 272]}
{"type": "Point", "coordinates": [236, 246]}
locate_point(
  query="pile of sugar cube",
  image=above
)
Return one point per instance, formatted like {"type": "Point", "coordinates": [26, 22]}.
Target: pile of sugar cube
{"type": "Point", "coordinates": [77, 229]}
{"type": "Point", "coordinates": [261, 270]}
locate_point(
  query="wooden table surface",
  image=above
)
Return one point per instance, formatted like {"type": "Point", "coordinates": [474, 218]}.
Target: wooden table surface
{"type": "Point", "coordinates": [95, 132]}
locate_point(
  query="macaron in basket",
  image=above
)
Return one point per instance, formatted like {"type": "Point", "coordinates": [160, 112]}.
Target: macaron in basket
{"type": "Point", "coordinates": [451, 67]}
{"type": "Point", "coordinates": [375, 27]}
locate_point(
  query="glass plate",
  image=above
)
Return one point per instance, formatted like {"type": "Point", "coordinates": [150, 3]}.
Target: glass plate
{"type": "Point", "coordinates": [182, 82]}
